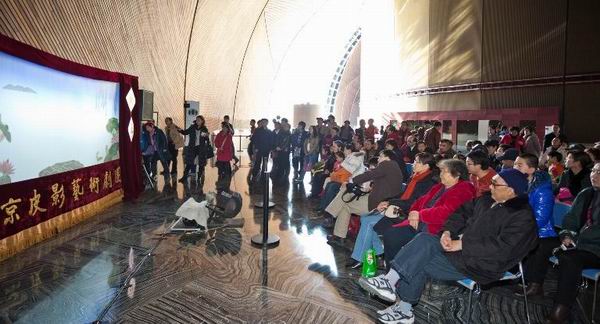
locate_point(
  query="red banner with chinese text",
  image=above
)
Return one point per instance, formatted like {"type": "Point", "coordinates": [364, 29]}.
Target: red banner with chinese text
{"type": "Point", "coordinates": [27, 203]}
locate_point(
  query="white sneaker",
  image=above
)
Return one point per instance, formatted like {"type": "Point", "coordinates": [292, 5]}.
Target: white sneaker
{"type": "Point", "coordinates": [396, 317]}
{"type": "Point", "coordinates": [390, 309]}
{"type": "Point", "coordinates": [379, 286]}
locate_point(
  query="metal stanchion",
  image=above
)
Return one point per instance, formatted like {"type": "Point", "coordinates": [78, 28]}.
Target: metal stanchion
{"type": "Point", "coordinates": [265, 239]}
{"type": "Point", "coordinates": [265, 174]}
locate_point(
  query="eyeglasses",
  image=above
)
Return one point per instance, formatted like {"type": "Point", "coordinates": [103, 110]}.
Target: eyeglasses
{"type": "Point", "coordinates": [495, 184]}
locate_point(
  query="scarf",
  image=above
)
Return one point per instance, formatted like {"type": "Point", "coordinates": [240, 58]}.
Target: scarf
{"type": "Point", "coordinates": [413, 183]}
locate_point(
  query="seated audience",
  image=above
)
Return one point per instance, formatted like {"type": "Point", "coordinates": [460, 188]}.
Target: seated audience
{"type": "Point", "coordinates": [422, 148]}
{"type": "Point", "coordinates": [425, 176]}
{"type": "Point", "coordinates": [594, 154]}
{"type": "Point", "coordinates": [507, 159]}
{"type": "Point", "coordinates": [386, 182]}
{"type": "Point", "coordinates": [433, 136]}
{"type": "Point", "coordinates": [445, 149]}
{"type": "Point", "coordinates": [555, 166]}
{"type": "Point", "coordinates": [541, 200]}
{"type": "Point", "coordinates": [484, 239]}
{"type": "Point", "coordinates": [557, 145]}
{"type": "Point", "coordinates": [370, 149]}
{"type": "Point", "coordinates": [398, 157]}
{"type": "Point", "coordinates": [481, 173]}
{"type": "Point", "coordinates": [532, 142]}
{"type": "Point", "coordinates": [409, 149]}
{"type": "Point", "coordinates": [318, 179]}
{"type": "Point", "coordinates": [492, 146]}
{"type": "Point", "coordinates": [581, 238]}
{"type": "Point", "coordinates": [577, 175]}
{"type": "Point", "coordinates": [430, 211]}
{"type": "Point", "coordinates": [349, 164]}
{"type": "Point", "coordinates": [513, 139]}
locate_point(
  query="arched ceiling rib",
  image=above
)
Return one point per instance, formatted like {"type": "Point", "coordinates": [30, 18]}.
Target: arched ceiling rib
{"type": "Point", "coordinates": [302, 40]}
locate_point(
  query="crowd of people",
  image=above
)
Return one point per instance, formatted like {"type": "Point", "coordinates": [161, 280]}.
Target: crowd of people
{"type": "Point", "coordinates": [427, 210]}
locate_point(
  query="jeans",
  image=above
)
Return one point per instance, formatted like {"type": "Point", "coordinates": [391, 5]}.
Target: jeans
{"type": "Point", "coordinates": [298, 162]}
{"type": "Point", "coordinates": [173, 151]}
{"type": "Point", "coordinates": [190, 156]}
{"type": "Point", "coordinates": [367, 238]}
{"type": "Point", "coordinates": [570, 265]}
{"type": "Point", "coordinates": [331, 190]}
{"type": "Point", "coordinates": [395, 238]}
{"type": "Point", "coordinates": [421, 259]}
{"type": "Point", "coordinates": [317, 183]}
{"type": "Point", "coordinates": [536, 264]}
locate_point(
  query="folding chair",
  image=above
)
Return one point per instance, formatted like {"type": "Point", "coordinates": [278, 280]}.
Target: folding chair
{"type": "Point", "coordinates": [588, 274]}
{"type": "Point", "coordinates": [559, 212]}
{"type": "Point", "coordinates": [474, 287]}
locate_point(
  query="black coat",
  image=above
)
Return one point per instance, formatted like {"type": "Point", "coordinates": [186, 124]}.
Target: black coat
{"type": "Point", "coordinates": [191, 132]}
{"type": "Point", "coordinates": [421, 188]}
{"type": "Point", "coordinates": [262, 141]}
{"type": "Point", "coordinates": [495, 237]}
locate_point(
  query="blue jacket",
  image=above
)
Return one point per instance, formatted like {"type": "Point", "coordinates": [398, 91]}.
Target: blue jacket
{"type": "Point", "coordinates": [541, 200]}
{"type": "Point", "coordinates": [161, 140]}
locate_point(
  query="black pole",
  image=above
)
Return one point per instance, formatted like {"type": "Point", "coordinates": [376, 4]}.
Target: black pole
{"type": "Point", "coordinates": [265, 240]}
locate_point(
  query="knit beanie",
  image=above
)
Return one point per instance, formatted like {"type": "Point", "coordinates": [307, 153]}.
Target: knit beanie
{"type": "Point", "coordinates": [515, 179]}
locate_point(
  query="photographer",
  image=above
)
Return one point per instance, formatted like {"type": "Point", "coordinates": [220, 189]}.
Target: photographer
{"type": "Point", "coordinates": [198, 146]}
{"type": "Point", "coordinates": [387, 182]}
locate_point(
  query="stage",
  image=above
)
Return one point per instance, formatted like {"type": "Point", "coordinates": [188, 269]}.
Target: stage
{"type": "Point", "coordinates": [218, 276]}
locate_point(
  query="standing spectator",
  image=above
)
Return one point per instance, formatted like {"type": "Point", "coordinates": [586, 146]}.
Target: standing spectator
{"type": "Point", "coordinates": [250, 145]}
{"type": "Point", "coordinates": [346, 132]}
{"type": "Point", "coordinates": [581, 233]}
{"type": "Point", "coordinates": [577, 175]}
{"type": "Point", "coordinates": [445, 149]}
{"type": "Point", "coordinates": [420, 134]}
{"type": "Point", "coordinates": [331, 122]}
{"type": "Point", "coordinates": [481, 173]}
{"type": "Point", "coordinates": [555, 133]}
{"type": "Point", "coordinates": [513, 139]}
{"type": "Point", "coordinates": [361, 131]}
{"type": "Point", "coordinates": [281, 165]}
{"type": "Point", "coordinates": [232, 131]}
{"type": "Point", "coordinates": [532, 142]}
{"type": "Point", "coordinates": [175, 142]}
{"type": "Point", "coordinates": [403, 133]}
{"type": "Point", "coordinates": [541, 200]}
{"type": "Point", "coordinates": [198, 144]}
{"type": "Point", "coordinates": [154, 148]}
{"type": "Point", "coordinates": [371, 130]}
{"type": "Point", "coordinates": [224, 145]}
{"type": "Point", "coordinates": [321, 128]}
{"type": "Point", "coordinates": [312, 146]}
{"type": "Point", "coordinates": [299, 139]}
{"type": "Point", "coordinates": [433, 136]}
{"type": "Point", "coordinates": [263, 140]}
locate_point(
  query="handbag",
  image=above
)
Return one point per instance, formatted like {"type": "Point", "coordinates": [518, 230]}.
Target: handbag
{"type": "Point", "coordinates": [209, 151]}
{"type": "Point", "coordinates": [393, 211]}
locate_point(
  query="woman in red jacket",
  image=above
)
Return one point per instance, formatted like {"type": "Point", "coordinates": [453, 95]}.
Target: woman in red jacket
{"type": "Point", "coordinates": [430, 212]}
{"type": "Point", "coordinates": [224, 145]}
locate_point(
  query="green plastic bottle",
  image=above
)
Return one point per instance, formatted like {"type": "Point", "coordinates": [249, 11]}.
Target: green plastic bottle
{"type": "Point", "coordinates": [369, 264]}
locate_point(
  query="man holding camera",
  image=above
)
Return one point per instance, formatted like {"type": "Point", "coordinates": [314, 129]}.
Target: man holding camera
{"type": "Point", "coordinates": [386, 182]}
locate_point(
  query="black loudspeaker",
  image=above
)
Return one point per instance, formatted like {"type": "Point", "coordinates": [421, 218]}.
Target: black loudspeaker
{"type": "Point", "coordinates": [147, 104]}
{"type": "Point", "coordinates": [228, 203]}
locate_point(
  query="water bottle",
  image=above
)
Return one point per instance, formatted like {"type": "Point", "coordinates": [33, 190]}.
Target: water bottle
{"type": "Point", "coordinates": [369, 264]}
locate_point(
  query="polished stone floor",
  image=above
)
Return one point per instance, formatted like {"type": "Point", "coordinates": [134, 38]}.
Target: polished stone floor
{"type": "Point", "coordinates": [123, 266]}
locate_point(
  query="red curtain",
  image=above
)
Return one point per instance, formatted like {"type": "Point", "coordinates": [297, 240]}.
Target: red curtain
{"type": "Point", "coordinates": [129, 149]}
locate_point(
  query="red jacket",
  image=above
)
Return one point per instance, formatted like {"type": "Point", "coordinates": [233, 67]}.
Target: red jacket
{"type": "Point", "coordinates": [450, 201]}
{"type": "Point", "coordinates": [516, 142]}
{"type": "Point", "coordinates": [224, 146]}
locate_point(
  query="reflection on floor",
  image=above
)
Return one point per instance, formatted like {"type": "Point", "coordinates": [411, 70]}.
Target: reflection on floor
{"type": "Point", "coordinates": [122, 267]}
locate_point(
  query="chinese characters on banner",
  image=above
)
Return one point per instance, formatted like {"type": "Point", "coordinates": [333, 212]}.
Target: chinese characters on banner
{"type": "Point", "coordinates": [27, 203]}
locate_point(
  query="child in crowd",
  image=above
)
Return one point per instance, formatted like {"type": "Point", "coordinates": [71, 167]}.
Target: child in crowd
{"type": "Point", "coordinates": [555, 166]}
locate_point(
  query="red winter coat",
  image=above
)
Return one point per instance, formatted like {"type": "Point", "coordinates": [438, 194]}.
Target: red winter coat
{"type": "Point", "coordinates": [224, 146]}
{"type": "Point", "coordinates": [516, 142]}
{"type": "Point", "coordinates": [450, 201]}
